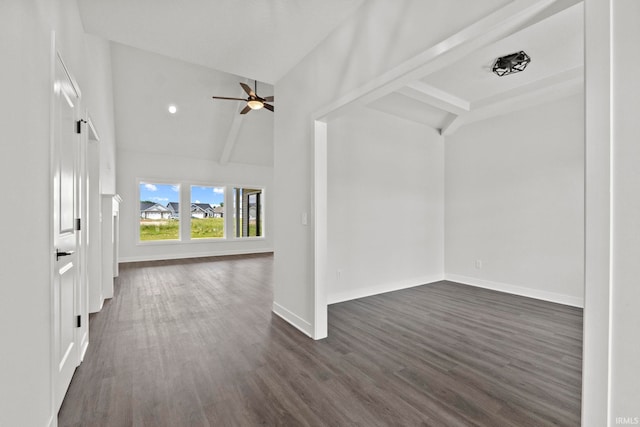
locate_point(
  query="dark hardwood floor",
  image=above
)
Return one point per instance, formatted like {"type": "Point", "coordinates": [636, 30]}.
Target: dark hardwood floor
{"type": "Point", "coordinates": [194, 343]}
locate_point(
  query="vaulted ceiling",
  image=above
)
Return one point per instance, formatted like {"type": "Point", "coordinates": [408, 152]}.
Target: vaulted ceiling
{"type": "Point", "coordinates": [184, 52]}
{"type": "Point", "coordinates": [256, 39]}
{"type": "Point", "coordinates": [223, 42]}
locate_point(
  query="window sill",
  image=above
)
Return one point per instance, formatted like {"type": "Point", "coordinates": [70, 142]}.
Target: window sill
{"type": "Point", "coordinates": [198, 241]}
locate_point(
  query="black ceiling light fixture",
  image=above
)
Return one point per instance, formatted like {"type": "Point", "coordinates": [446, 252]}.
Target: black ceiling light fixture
{"type": "Point", "coordinates": [509, 64]}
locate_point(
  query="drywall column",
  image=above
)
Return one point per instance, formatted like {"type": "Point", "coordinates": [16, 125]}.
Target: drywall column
{"type": "Point", "coordinates": [595, 370]}
{"type": "Point", "coordinates": [625, 215]}
{"type": "Point", "coordinates": [110, 229]}
{"type": "Point", "coordinates": [611, 367]}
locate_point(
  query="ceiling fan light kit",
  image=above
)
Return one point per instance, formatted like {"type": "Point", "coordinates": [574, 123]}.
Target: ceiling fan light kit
{"type": "Point", "coordinates": [511, 64]}
{"type": "Point", "coordinates": [254, 102]}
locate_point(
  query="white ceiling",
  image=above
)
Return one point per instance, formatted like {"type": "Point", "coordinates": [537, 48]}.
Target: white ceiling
{"type": "Point", "coordinates": [256, 39]}
{"type": "Point", "coordinates": [466, 90]}
{"type": "Point", "coordinates": [554, 44]}
{"type": "Point", "coordinates": [171, 51]}
{"type": "Point", "coordinates": [177, 52]}
{"type": "Point", "coordinates": [145, 84]}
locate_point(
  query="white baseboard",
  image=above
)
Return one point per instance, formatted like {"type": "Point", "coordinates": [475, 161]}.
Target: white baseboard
{"type": "Point", "coordinates": [163, 257]}
{"type": "Point", "coordinates": [92, 309]}
{"type": "Point", "coordinates": [518, 290]}
{"type": "Point", "coordinates": [292, 318]}
{"type": "Point", "coordinates": [352, 294]}
{"type": "Point", "coordinates": [85, 347]}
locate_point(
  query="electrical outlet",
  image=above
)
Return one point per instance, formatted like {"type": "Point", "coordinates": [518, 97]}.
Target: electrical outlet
{"type": "Point", "coordinates": [338, 274]}
{"type": "Point", "coordinates": [478, 264]}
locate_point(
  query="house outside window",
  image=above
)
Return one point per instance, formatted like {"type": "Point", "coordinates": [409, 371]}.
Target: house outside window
{"type": "Point", "coordinates": [207, 212]}
{"type": "Point", "coordinates": [157, 219]}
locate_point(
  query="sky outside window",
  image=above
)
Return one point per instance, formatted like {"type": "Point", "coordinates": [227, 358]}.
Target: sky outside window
{"type": "Point", "coordinates": [211, 195]}
{"type": "Point", "coordinates": [159, 193]}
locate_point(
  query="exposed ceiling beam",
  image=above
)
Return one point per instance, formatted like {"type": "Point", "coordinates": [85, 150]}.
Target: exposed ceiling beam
{"type": "Point", "coordinates": [555, 8]}
{"type": "Point", "coordinates": [556, 87]}
{"type": "Point", "coordinates": [232, 136]}
{"type": "Point", "coordinates": [438, 98]}
{"type": "Point", "coordinates": [485, 31]}
{"type": "Point", "coordinates": [451, 124]}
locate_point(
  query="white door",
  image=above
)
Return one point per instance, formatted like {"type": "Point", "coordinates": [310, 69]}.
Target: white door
{"type": "Point", "coordinates": [65, 239]}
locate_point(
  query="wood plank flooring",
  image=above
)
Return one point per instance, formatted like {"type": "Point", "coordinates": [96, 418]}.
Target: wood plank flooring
{"type": "Point", "coordinates": [194, 343]}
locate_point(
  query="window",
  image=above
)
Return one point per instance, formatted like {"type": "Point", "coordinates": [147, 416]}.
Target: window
{"type": "Point", "coordinates": [248, 218]}
{"type": "Point", "coordinates": [207, 212]}
{"type": "Point", "coordinates": [205, 217]}
{"type": "Point", "coordinates": [159, 219]}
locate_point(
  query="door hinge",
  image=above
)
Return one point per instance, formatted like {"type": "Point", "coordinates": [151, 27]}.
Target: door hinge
{"type": "Point", "coordinates": [78, 224]}
{"type": "Point", "coordinates": [79, 125]}
{"type": "Point", "coordinates": [78, 321]}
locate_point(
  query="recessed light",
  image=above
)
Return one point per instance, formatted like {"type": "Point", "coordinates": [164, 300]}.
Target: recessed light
{"type": "Point", "coordinates": [173, 109]}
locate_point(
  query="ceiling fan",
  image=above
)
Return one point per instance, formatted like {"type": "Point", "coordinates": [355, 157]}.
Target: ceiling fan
{"type": "Point", "coordinates": [254, 102]}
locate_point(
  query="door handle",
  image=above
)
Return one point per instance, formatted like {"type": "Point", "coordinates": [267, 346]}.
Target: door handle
{"type": "Point", "coordinates": [60, 253]}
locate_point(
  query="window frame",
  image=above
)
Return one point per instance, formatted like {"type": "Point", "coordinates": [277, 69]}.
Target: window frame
{"type": "Point", "coordinates": [184, 232]}
{"type": "Point", "coordinates": [263, 191]}
{"type": "Point", "coordinates": [141, 181]}
{"type": "Point", "coordinates": [224, 214]}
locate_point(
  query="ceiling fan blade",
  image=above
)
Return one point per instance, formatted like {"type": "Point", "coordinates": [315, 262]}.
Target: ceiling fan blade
{"type": "Point", "coordinates": [247, 89]}
{"type": "Point", "coordinates": [224, 97]}
{"type": "Point", "coordinates": [269, 98]}
{"type": "Point", "coordinates": [245, 110]}
{"type": "Point", "coordinates": [268, 107]}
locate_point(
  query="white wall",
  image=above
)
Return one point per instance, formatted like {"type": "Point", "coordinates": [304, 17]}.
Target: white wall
{"type": "Point", "coordinates": [100, 104]}
{"type": "Point", "coordinates": [379, 36]}
{"type": "Point", "coordinates": [611, 359]}
{"type": "Point", "coordinates": [515, 202]}
{"type": "Point", "coordinates": [625, 304]}
{"type": "Point", "coordinates": [26, 254]}
{"type": "Point", "coordinates": [385, 205]}
{"type": "Point", "coordinates": [186, 171]}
